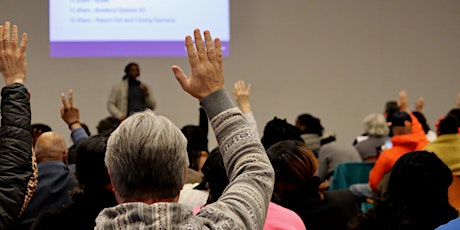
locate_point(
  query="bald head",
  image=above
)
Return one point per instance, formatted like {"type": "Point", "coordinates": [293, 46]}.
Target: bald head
{"type": "Point", "coordinates": [50, 147]}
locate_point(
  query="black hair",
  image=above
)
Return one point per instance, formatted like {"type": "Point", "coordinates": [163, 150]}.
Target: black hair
{"type": "Point", "coordinates": [127, 67]}
{"type": "Point", "coordinates": [421, 118]}
{"type": "Point", "coordinates": [278, 130]}
{"type": "Point", "coordinates": [215, 175]}
{"type": "Point", "coordinates": [456, 114]}
{"type": "Point", "coordinates": [390, 108]}
{"type": "Point", "coordinates": [90, 167]}
{"type": "Point", "coordinates": [417, 196]}
{"type": "Point", "coordinates": [108, 125]}
{"type": "Point", "coordinates": [196, 142]}
{"type": "Point", "coordinates": [312, 124]}
{"type": "Point", "coordinates": [42, 128]}
{"type": "Point", "coordinates": [448, 125]}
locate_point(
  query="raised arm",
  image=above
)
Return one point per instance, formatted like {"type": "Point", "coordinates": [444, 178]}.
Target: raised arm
{"type": "Point", "coordinates": [71, 116]}
{"type": "Point", "coordinates": [241, 94]}
{"type": "Point", "coordinates": [244, 203]}
{"type": "Point", "coordinates": [17, 171]}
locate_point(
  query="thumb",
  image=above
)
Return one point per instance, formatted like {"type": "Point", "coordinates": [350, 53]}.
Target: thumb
{"type": "Point", "coordinates": [180, 77]}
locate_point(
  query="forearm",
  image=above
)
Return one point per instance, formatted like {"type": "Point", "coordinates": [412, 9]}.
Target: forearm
{"type": "Point", "coordinates": [78, 135]}
{"type": "Point", "coordinates": [248, 168]}
{"type": "Point", "coordinates": [16, 152]}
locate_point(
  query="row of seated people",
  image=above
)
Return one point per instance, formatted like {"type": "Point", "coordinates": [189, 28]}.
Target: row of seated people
{"type": "Point", "coordinates": [119, 185]}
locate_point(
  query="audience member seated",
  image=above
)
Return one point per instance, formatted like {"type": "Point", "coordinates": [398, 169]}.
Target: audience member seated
{"type": "Point", "coordinates": [278, 130]}
{"type": "Point", "coordinates": [332, 154]}
{"type": "Point", "coordinates": [197, 150]}
{"type": "Point", "coordinates": [54, 179]}
{"type": "Point", "coordinates": [156, 148]}
{"type": "Point", "coordinates": [408, 136]}
{"type": "Point", "coordinates": [107, 125]}
{"type": "Point", "coordinates": [416, 198]}
{"type": "Point", "coordinates": [37, 130]}
{"type": "Point", "coordinates": [297, 188]}
{"type": "Point", "coordinates": [376, 130]}
{"type": "Point", "coordinates": [93, 194]}
{"type": "Point", "coordinates": [447, 145]}
{"type": "Point", "coordinates": [278, 217]}
{"type": "Point", "coordinates": [456, 113]}
{"type": "Point", "coordinates": [18, 176]}
{"type": "Point", "coordinates": [311, 130]}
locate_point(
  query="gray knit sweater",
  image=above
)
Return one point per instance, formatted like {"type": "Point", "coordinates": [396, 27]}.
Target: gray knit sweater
{"type": "Point", "coordinates": [244, 203]}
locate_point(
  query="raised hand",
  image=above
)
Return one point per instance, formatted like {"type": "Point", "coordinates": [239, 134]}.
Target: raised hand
{"type": "Point", "coordinates": [402, 101]}
{"type": "Point", "coordinates": [69, 113]}
{"type": "Point", "coordinates": [419, 104]}
{"type": "Point", "coordinates": [12, 58]}
{"type": "Point", "coordinates": [207, 75]}
{"type": "Point", "coordinates": [241, 93]}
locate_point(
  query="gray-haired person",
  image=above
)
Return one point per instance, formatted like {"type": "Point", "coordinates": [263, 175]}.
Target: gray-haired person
{"type": "Point", "coordinates": [147, 159]}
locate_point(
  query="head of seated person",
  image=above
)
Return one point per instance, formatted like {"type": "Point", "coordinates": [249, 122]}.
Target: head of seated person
{"type": "Point", "coordinates": [147, 159]}
{"type": "Point", "coordinates": [309, 124]}
{"type": "Point", "coordinates": [197, 146]}
{"type": "Point", "coordinates": [448, 125]}
{"type": "Point", "coordinates": [50, 147]}
{"type": "Point", "coordinates": [401, 123]}
{"type": "Point", "coordinates": [417, 196]}
{"type": "Point", "coordinates": [278, 130]}
{"type": "Point", "coordinates": [90, 168]}
{"type": "Point", "coordinates": [107, 125]}
{"type": "Point", "coordinates": [295, 166]}
{"type": "Point", "coordinates": [376, 125]}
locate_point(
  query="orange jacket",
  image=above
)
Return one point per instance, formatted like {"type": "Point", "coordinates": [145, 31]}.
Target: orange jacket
{"type": "Point", "coordinates": [402, 144]}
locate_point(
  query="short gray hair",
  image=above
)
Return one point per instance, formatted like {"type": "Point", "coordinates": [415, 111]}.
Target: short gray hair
{"type": "Point", "coordinates": [147, 157]}
{"type": "Point", "coordinates": [376, 125]}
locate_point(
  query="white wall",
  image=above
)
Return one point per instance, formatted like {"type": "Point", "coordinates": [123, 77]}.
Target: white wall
{"type": "Point", "coordinates": [339, 60]}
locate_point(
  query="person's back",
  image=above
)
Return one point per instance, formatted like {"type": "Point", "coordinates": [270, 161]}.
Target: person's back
{"type": "Point", "coordinates": [54, 179]}
{"type": "Point", "coordinates": [92, 195]}
{"type": "Point", "coordinates": [332, 154]}
{"type": "Point", "coordinates": [297, 189]}
{"type": "Point", "coordinates": [447, 145]}
{"type": "Point", "coordinates": [416, 198]}
{"type": "Point", "coordinates": [377, 131]}
{"type": "Point", "coordinates": [278, 217]}
{"type": "Point", "coordinates": [148, 197]}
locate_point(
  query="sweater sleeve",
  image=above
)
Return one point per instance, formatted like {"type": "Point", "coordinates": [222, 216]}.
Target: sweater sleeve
{"type": "Point", "coordinates": [244, 203]}
{"type": "Point", "coordinates": [16, 165]}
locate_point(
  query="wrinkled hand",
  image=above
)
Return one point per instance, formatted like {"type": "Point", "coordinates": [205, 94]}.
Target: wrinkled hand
{"type": "Point", "coordinates": [69, 112]}
{"type": "Point", "coordinates": [402, 101]}
{"type": "Point", "coordinates": [241, 94]}
{"type": "Point", "coordinates": [12, 58]}
{"type": "Point", "coordinates": [419, 104]}
{"type": "Point", "coordinates": [207, 75]}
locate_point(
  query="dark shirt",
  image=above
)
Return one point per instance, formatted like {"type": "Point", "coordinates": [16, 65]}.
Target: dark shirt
{"type": "Point", "coordinates": [80, 215]}
{"type": "Point", "coordinates": [136, 97]}
{"type": "Point", "coordinates": [53, 191]}
{"type": "Point", "coordinates": [333, 212]}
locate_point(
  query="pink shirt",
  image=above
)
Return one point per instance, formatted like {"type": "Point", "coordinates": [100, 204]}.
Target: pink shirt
{"type": "Point", "coordinates": [278, 218]}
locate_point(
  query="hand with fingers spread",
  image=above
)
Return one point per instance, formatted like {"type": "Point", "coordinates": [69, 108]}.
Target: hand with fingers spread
{"type": "Point", "coordinates": [69, 112]}
{"type": "Point", "coordinates": [207, 75]}
{"type": "Point", "coordinates": [419, 104]}
{"type": "Point", "coordinates": [241, 94]}
{"type": "Point", "coordinates": [12, 58]}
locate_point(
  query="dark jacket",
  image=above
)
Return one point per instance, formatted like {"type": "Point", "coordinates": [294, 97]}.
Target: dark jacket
{"type": "Point", "coordinates": [17, 180]}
